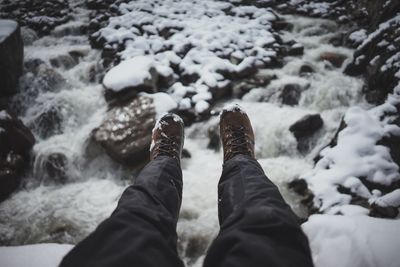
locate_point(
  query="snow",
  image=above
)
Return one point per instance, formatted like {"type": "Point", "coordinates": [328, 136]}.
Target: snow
{"type": "Point", "coordinates": [7, 27]}
{"type": "Point", "coordinates": [162, 103]}
{"type": "Point", "coordinates": [356, 155]}
{"type": "Point", "coordinates": [202, 37]}
{"type": "Point", "coordinates": [40, 255]}
{"type": "Point", "coordinates": [345, 241]}
{"type": "Point", "coordinates": [4, 115]}
{"type": "Point", "coordinates": [353, 241]}
{"type": "Point", "coordinates": [131, 73]}
{"type": "Point", "coordinates": [358, 36]}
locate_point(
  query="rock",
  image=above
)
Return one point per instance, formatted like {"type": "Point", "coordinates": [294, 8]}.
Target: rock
{"type": "Point", "coordinates": [383, 212]}
{"type": "Point", "coordinates": [11, 57]}
{"type": "Point", "coordinates": [65, 61]}
{"type": "Point", "coordinates": [144, 75]}
{"type": "Point", "coordinates": [306, 70]}
{"type": "Point", "coordinates": [125, 134]}
{"type": "Point", "coordinates": [304, 129]}
{"type": "Point", "coordinates": [214, 141]}
{"type": "Point", "coordinates": [242, 87]}
{"type": "Point", "coordinates": [41, 16]}
{"type": "Point", "coordinates": [295, 50]}
{"type": "Point", "coordinates": [335, 59]}
{"type": "Point", "coordinates": [16, 142]}
{"type": "Point", "coordinates": [28, 35]}
{"type": "Point", "coordinates": [306, 126]}
{"type": "Point", "coordinates": [9, 182]}
{"type": "Point", "coordinates": [377, 60]}
{"type": "Point", "coordinates": [290, 94]}
{"type": "Point", "coordinates": [186, 154]}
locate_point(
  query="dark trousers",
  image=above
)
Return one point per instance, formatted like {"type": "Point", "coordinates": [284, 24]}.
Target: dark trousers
{"type": "Point", "coordinates": [257, 227]}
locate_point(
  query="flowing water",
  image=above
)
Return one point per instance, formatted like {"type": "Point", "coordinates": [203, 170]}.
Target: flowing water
{"type": "Point", "coordinates": [66, 206]}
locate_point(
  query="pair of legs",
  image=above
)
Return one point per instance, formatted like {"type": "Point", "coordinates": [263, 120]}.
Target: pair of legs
{"type": "Point", "coordinates": [257, 227]}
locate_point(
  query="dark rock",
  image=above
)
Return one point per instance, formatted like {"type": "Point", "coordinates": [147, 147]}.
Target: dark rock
{"type": "Point", "coordinates": [280, 25]}
{"type": "Point", "coordinates": [295, 50]}
{"type": "Point", "coordinates": [383, 212]}
{"type": "Point", "coordinates": [186, 154]}
{"type": "Point", "coordinates": [290, 94]}
{"type": "Point", "coordinates": [335, 59]}
{"type": "Point", "coordinates": [41, 16]}
{"type": "Point", "coordinates": [393, 143]}
{"type": "Point", "coordinates": [16, 142]}
{"type": "Point", "coordinates": [375, 58]}
{"type": "Point", "coordinates": [11, 57]}
{"type": "Point", "coordinates": [306, 70]}
{"type": "Point", "coordinates": [15, 136]}
{"type": "Point", "coordinates": [9, 181]}
{"type": "Point", "coordinates": [304, 130]}
{"type": "Point", "coordinates": [306, 126]}
{"type": "Point", "coordinates": [188, 116]}
{"type": "Point", "coordinates": [214, 141]}
{"type": "Point", "coordinates": [125, 134]}
{"type": "Point", "coordinates": [299, 186]}
{"type": "Point", "coordinates": [242, 87]}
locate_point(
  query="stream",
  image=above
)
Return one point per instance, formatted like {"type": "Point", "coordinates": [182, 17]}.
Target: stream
{"type": "Point", "coordinates": [72, 185]}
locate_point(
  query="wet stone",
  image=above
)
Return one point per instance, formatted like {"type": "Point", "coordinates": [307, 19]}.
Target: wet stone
{"type": "Point", "coordinates": [125, 134]}
{"type": "Point", "coordinates": [290, 94]}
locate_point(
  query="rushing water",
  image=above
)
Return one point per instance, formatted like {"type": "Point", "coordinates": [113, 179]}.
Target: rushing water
{"type": "Point", "coordinates": [87, 191]}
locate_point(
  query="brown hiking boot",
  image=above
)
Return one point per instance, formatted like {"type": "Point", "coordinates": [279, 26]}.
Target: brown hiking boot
{"type": "Point", "coordinates": [236, 133]}
{"type": "Point", "coordinates": [167, 137]}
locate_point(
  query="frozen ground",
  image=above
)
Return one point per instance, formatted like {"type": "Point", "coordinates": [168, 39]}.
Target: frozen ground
{"type": "Point", "coordinates": [47, 212]}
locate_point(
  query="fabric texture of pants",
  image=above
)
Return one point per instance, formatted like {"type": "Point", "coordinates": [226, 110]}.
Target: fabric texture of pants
{"type": "Point", "coordinates": [257, 227]}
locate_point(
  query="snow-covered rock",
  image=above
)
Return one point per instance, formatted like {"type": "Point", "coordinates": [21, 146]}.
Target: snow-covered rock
{"type": "Point", "coordinates": [204, 45]}
{"type": "Point", "coordinates": [11, 56]}
{"type": "Point", "coordinates": [357, 165]}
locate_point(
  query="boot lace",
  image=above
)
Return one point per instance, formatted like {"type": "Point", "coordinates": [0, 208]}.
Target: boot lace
{"type": "Point", "coordinates": [239, 141]}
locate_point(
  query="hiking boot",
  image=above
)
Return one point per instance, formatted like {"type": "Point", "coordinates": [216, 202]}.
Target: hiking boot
{"type": "Point", "coordinates": [167, 137]}
{"type": "Point", "coordinates": [236, 133]}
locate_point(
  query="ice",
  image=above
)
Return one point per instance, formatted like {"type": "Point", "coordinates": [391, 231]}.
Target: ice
{"type": "Point", "coordinates": [7, 27]}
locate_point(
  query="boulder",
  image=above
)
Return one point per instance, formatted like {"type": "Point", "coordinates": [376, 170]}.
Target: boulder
{"type": "Point", "coordinates": [16, 142]}
{"type": "Point", "coordinates": [335, 59]}
{"type": "Point", "coordinates": [306, 126]}
{"type": "Point", "coordinates": [11, 57]}
{"type": "Point", "coordinates": [125, 134]}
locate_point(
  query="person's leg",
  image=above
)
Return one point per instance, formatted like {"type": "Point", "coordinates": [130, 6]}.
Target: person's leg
{"type": "Point", "coordinates": [142, 229]}
{"type": "Point", "coordinates": [257, 227]}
